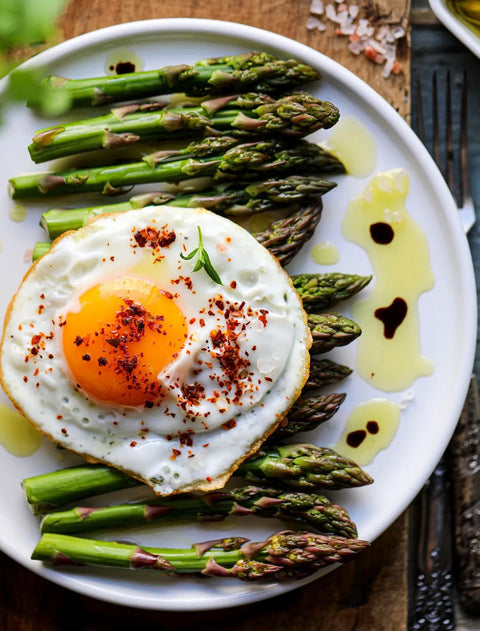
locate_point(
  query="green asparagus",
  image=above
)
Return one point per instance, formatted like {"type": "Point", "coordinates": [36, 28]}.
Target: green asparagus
{"type": "Point", "coordinates": [325, 290]}
{"type": "Point", "coordinates": [300, 465]}
{"type": "Point", "coordinates": [310, 508]}
{"type": "Point", "coordinates": [325, 371]}
{"type": "Point", "coordinates": [244, 161]}
{"type": "Point", "coordinates": [307, 413]}
{"type": "Point", "coordinates": [285, 237]}
{"type": "Point", "coordinates": [330, 330]}
{"type": "Point", "coordinates": [295, 115]}
{"type": "Point", "coordinates": [232, 74]}
{"type": "Point", "coordinates": [283, 555]}
{"type": "Point", "coordinates": [303, 466]}
{"type": "Point", "coordinates": [233, 199]}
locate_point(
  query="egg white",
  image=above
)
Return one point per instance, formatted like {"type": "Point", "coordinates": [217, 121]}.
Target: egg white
{"type": "Point", "coordinates": [172, 447]}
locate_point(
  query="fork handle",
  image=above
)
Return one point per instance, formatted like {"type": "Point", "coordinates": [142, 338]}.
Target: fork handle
{"type": "Point", "coordinates": [432, 608]}
{"type": "Point", "coordinates": [465, 459]}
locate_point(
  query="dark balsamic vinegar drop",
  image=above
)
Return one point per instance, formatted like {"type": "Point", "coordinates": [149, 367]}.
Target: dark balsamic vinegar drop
{"type": "Point", "coordinates": [382, 233]}
{"type": "Point", "coordinates": [356, 438]}
{"type": "Point", "coordinates": [392, 316]}
{"type": "Point", "coordinates": [124, 67]}
{"type": "Point", "coordinates": [372, 427]}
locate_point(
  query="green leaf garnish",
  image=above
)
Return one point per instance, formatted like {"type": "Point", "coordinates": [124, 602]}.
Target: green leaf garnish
{"type": "Point", "coordinates": [203, 260]}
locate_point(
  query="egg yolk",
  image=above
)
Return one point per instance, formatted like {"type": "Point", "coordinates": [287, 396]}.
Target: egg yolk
{"type": "Point", "coordinates": [123, 334]}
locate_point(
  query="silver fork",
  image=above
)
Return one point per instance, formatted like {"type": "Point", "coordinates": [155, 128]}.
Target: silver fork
{"type": "Point", "coordinates": [455, 171]}
{"type": "Point", "coordinates": [432, 599]}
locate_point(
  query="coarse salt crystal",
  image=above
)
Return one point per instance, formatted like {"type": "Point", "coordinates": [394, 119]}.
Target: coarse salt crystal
{"type": "Point", "coordinates": [387, 68]}
{"type": "Point", "coordinates": [353, 11]}
{"type": "Point", "coordinates": [398, 31]}
{"type": "Point", "coordinates": [331, 13]}
{"type": "Point", "coordinates": [349, 29]}
{"type": "Point", "coordinates": [312, 23]}
{"type": "Point", "coordinates": [390, 51]}
{"type": "Point", "coordinates": [317, 8]}
{"type": "Point", "coordinates": [376, 45]}
{"type": "Point", "coordinates": [355, 47]}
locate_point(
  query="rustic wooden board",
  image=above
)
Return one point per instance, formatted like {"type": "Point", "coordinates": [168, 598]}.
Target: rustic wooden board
{"type": "Point", "coordinates": [367, 594]}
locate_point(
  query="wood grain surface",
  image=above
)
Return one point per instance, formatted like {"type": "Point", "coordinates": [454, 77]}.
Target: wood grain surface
{"type": "Point", "coordinates": [367, 594]}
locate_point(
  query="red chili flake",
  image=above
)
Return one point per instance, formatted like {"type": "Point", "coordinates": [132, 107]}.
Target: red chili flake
{"type": "Point", "coordinates": [20, 327]}
{"type": "Point", "coordinates": [42, 296]}
{"type": "Point", "coordinates": [263, 317]}
{"type": "Point", "coordinates": [86, 357]}
{"type": "Point", "coordinates": [36, 339]}
{"type": "Point", "coordinates": [25, 379]}
{"type": "Point", "coordinates": [133, 443]}
{"type": "Point", "coordinates": [228, 239]}
{"type": "Point", "coordinates": [205, 445]}
{"type": "Point", "coordinates": [208, 479]}
{"type": "Point", "coordinates": [102, 361]}
{"type": "Point", "coordinates": [64, 431]}
{"type": "Point", "coordinates": [59, 416]}
{"type": "Point", "coordinates": [78, 340]}
{"type": "Point", "coordinates": [153, 238]}
{"type": "Point", "coordinates": [201, 322]}
{"type": "Point", "coordinates": [229, 424]}
{"type": "Point", "coordinates": [175, 453]}
{"type": "Point", "coordinates": [36, 372]}
{"type": "Point", "coordinates": [233, 284]}
{"type": "Point", "coordinates": [41, 308]}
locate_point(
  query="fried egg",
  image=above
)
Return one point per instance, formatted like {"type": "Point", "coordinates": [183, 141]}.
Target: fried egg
{"type": "Point", "coordinates": [124, 346]}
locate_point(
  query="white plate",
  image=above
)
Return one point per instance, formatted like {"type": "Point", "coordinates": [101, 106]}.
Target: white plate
{"type": "Point", "coordinates": [455, 25]}
{"type": "Point", "coordinates": [447, 313]}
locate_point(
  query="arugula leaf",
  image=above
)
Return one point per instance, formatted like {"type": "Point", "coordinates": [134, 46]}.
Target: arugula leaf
{"type": "Point", "coordinates": [203, 260]}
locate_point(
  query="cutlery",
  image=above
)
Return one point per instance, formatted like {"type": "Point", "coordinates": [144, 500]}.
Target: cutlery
{"type": "Point", "coordinates": [432, 597]}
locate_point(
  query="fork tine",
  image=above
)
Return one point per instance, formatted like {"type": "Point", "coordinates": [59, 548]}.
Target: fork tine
{"type": "Point", "coordinates": [449, 172]}
{"type": "Point", "coordinates": [419, 110]}
{"type": "Point", "coordinates": [435, 133]}
{"type": "Point", "coordinates": [464, 191]}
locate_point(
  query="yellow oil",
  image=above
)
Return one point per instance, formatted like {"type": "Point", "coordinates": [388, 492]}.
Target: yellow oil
{"type": "Point", "coordinates": [370, 428]}
{"type": "Point", "coordinates": [18, 213]}
{"type": "Point", "coordinates": [17, 435]}
{"type": "Point", "coordinates": [468, 11]}
{"type": "Point", "coordinates": [325, 253]}
{"type": "Point", "coordinates": [354, 145]}
{"type": "Point", "coordinates": [123, 60]}
{"type": "Point", "coordinates": [402, 271]}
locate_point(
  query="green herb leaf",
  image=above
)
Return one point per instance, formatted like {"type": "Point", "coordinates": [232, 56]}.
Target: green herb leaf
{"type": "Point", "coordinates": [203, 260]}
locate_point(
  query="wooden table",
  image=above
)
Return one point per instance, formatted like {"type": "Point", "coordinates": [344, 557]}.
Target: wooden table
{"type": "Point", "coordinates": [368, 594]}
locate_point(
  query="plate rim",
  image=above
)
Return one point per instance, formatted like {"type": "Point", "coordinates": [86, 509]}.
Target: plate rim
{"type": "Point", "coordinates": [401, 128]}
{"type": "Point", "coordinates": [455, 26]}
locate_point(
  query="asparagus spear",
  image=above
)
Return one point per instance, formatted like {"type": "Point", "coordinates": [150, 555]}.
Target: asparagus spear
{"type": "Point", "coordinates": [239, 116]}
{"type": "Point", "coordinates": [283, 555]}
{"type": "Point", "coordinates": [301, 465]}
{"type": "Point", "coordinates": [310, 508]}
{"type": "Point", "coordinates": [325, 290]}
{"type": "Point", "coordinates": [330, 330]}
{"type": "Point", "coordinates": [323, 372]}
{"type": "Point", "coordinates": [230, 198]}
{"type": "Point", "coordinates": [247, 161]}
{"type": "Point", "coordinates": [285, 237]}
{"type": "Point", "coordinates": [259, 71]}
{"type": "Point", "coordinates": [307, 413]}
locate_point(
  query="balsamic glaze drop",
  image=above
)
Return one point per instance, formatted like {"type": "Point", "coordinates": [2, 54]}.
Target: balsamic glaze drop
{"type": "Point", "coordinates": [123, 67]}
{"type": "Point", "coordinates": [372, 427]}
{"type": "Point", "coordinates": [392, 316]}
{"type": "Point", "coordinates": [356, 438]}
{"type": "Point", "coordinates": [382, 233]}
